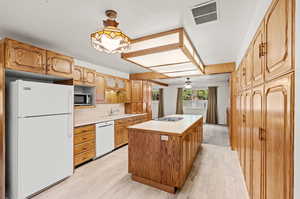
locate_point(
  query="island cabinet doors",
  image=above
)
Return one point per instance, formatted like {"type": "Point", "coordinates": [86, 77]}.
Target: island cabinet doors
{"type": "Point", "coordinates": [279, 138]}
{"type": "Point", "coordinates": [258, 142]}
{"type": "Point", "coordinates": [279, 38]}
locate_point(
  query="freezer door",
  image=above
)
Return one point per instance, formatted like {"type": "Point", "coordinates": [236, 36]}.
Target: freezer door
{"type": "Point", "coordinates": [36, 99]}
{"type": "Point", "coordinates": [45, 153]}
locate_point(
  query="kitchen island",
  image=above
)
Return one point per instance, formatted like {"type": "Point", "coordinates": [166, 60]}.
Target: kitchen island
{"type": "Point", "coordinates": [161, 153]}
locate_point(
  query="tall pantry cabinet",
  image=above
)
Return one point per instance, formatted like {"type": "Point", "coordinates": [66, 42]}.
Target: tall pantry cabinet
{"type": "Point", "coordinates": [265, 106]}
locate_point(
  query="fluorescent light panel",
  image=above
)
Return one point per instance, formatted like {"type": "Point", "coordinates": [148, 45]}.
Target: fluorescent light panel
{"type": "Point", "coordinates": [160, 58]}
{"type": "Point", "coordinates": [175, 67]}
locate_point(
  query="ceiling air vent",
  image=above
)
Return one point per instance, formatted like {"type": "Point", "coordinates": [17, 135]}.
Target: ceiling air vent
{"type": "Point", "coordinates": [205, 12]}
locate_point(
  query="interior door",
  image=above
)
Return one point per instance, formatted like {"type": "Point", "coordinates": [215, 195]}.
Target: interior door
{"type": "Point", "coordinates": [37, 99]}
{"type": "Point", "coordinates": [45, 151]}
{"type": "Point", "coordinates": [279, 37]}
{"type": "Point", "coordinates": [279, 138]}
{"type": "Point", "coordinates": [258, 143]}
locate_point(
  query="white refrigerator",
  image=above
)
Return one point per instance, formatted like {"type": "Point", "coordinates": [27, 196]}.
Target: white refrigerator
{"type": "Point", "coordinates": [39, 136]}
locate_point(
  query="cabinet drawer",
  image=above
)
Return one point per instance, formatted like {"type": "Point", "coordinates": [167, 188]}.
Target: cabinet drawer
{"type": "Point", "coordinates": [84, 147]}
{"type": "Point", "coordinates": [84, 137]}
{"type": "Point", "coordinates": [84, 129]}
{"type": "Point", "coordinates": [83, 157]}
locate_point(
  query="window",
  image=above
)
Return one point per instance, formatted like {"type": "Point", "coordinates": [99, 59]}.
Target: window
{"type": "Point", "coordinates": [195, 101]}
{"type": "Point", "coordinates": [190, 94]}
{"type": "Point", "coordinates": [155, 95]}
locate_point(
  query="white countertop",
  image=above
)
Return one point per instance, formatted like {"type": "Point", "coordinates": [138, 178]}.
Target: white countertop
{"type": "Point", "coordinates": [177, 127]}
{"type": "Point", "coordinates": [105, 119]}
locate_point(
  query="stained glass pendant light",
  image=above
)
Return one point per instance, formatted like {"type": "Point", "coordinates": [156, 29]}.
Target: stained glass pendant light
{"type": "Point", "coordinates": [110, 39]}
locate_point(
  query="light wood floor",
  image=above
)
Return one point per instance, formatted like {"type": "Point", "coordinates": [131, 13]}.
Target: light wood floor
{"type": "Point", "coordinates": [216, 135]}
{"type": "Point", "coordinates": [216, 175]}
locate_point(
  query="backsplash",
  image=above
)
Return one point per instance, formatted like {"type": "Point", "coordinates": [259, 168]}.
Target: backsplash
{"type": "Point", "coordinates": [101, 110]}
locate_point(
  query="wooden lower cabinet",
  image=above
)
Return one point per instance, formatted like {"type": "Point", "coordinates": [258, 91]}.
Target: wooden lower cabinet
{"type": "Point", "coordinates": [266, 138]}
{"type": "Point", "coordinates": [257, 142]}
{"type": "Point", "coordinates": [121, 131]}
{"type": "Point", "coordinates": [248, 140]}
{"type": "Point", "coordinates": [163, 163]}
{"type": "Point", "coordinates": [279, 138]}
{"type": "Point", "coordinates": [84, 144]}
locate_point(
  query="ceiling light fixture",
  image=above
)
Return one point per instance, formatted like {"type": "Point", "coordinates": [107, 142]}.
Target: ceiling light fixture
{"type": "Point", "coordinates": [170, 53]}
{"type": "Point", "coordinates": [188, 83]}
{"type": "Point", "coordinates": [110, 39]}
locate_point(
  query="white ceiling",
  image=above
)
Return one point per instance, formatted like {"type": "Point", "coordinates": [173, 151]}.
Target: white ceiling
{"type": "Point", "coordinates": [65, 26]}
{"type": "Point", "coordinates": [198, 80]}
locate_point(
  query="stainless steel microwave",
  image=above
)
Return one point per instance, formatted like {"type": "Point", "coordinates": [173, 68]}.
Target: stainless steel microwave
{"type": "Point", "coordinates": [82, 99]}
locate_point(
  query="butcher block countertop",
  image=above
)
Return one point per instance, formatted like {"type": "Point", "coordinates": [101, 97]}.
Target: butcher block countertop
{"type": "Point", "coordinates": [169, 127]}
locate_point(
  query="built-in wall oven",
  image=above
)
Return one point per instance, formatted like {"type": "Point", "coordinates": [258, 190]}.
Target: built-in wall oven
{"type": "Point", "coordinates": [83, 99]}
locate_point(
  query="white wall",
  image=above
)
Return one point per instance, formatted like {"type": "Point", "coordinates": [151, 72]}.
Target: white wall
{"type": "Point", "coordinates": [258, 15]}
{"type": "Point", "coordinates": [223, 103]}
{"type": "Point", "coordinates": [297, 106]}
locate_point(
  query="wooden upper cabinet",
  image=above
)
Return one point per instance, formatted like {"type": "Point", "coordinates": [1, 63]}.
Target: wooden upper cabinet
{"type": "Point", "coordinates": [258, 57]}
{"type": "Point", "coordinates": [136, 90]}
{"type": "Point", "coordinates": [243, 74]}
{"type": "Point", "coordinates": [248, 68]}
{"type": "Point", "coordinates": [279, 37]}
{"type": "Point", "coordinates": [24, 57]}
{"type": "Point", "coordinates": [78, 72]}
{"type": "Point", "coordinates": [59, 65]}
{"type": "Point", "coordinates": [120, 83]}
{"type": "Point", "coordinates": [100, 88]}
{"type": "Point", "coordinates": [89, 76]}
{"type": "Point", "coordinates": [279, 138]}
{"type": "Point", "coordinates": [128, 91]}
{"type": "Point", "coordinates": [110, 82]}
{"type": "Point", "coordinates": [257, 135]}
{"type": "Point", "coordinates": [84, 76]}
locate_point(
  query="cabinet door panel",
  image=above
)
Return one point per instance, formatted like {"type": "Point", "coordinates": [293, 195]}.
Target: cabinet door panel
{"type": "Point", "coordinates": [257, 130]}
{"type": "Point", "coordinates": [242, 133]}
{"type": "Point", "coordinates": [89, 77]}
{"type": "Point", "coordinates": [279, 138]}
{"type": "Point", "coordinates": [78, 75]}
{"type": "Point", "coordinates": [248, 68]}
{"type": "Point", "coordinates": [24, 57]}
{"type": "Point", "coordinates": [100, 89]}
{"type": "Point", "coordinates": [248, 137]}
{"type": "Point", "coordinates": [136, 91]}
{"type": "Point", "coordinates": [59, 65]}
{"type": "Point", "coordinates": [279, 38]}
{"type": "Point", "coordinates": [258, 58]}
{"type": "Point", "coordinates": [128, 91]}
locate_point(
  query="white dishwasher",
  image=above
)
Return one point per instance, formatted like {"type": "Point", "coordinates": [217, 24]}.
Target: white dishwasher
{"type": "Point", "coordinates": [105, 138]}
